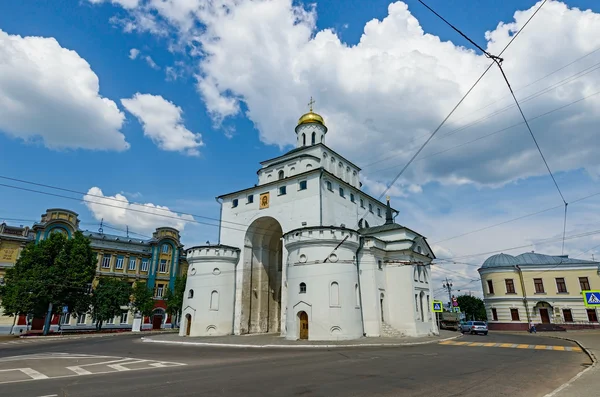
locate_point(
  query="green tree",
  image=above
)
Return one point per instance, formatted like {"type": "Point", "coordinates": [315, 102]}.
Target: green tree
{"type": "Point", "coordinates": [473, 307]}
{"type": "Point", "coordinates": [56, 270]}
{"type": "Point", "coordinates": [143, 299]}
{"type": "Point", "coordinates": [174, 298]}
{"type": "Point", "coordinates": [107, 299]}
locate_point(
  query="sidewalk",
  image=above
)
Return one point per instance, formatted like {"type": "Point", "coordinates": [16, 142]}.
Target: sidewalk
{"type": "Point", "coordinates": [276, 341]}
{"type": "Point", "coordinates": [587, 382]}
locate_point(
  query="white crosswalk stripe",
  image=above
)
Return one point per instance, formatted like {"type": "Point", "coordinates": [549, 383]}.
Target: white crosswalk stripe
{"type": "Point", "coordinates": [62, 365]}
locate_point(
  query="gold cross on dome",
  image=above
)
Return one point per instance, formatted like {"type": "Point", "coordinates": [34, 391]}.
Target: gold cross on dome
{"type": "Point", "coordinates": [311, 103]}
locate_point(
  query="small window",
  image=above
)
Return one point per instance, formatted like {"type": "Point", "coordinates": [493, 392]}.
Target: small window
{"type": "Point", "coordinates": [592, 316]}
{"type": "Point", "coordinates": [380, 265]}
{"type": "Point", "coordinates": [352, 197]}
{"type": "Point", "coordinates": [302, 185]}
{"type": "Point", "coordinates": [362, 203]}
{"type": "Point", "coordinates": [510, 286]}
{"type": "Point", "coordinates": [334, 294]}
{"type": "Point", "coordinates": [514, 314]}
{"type": "Point", "coordinates": [106, 261]}
{"type": "Point", "coordinates": [282, 190]}
{"type": "Point", "coordinates": [561, 286]}
{"type": "Point", "coordinates": [131, 264]}
{"type": "Point", "coordinates": [250, 199]}
{"type": "Point", "coordinates": [490, 284]}
{"type": "Point", "coordinates": [190, 294]}
{"type": "Point", "coordinates": [144, 266]}
{"type": "Point", "coordinates": [119, 264]}
{"type": "Point", "coordinates": [567, 315]}
{"type": "Point", "coordinates": [302, 288]}
{"type": "Point", "coordinates": [342, 192]}
{"type": "Point", "coordinates": [584, 283]}
{"type": "Point", "coordinates": [370, 208]}
{"type": "Point", "coordinates": [214, 300]}
{"type": "Point", "coordinates": [165, 248]}
{"type": "Point", "coordinates": [234, 203]}
{"type": "Point", "coordinates": [539, 285]}
{"type": "Point", "coordinates": [124, 317]}
{"type": "Point", "coordinates": [357, 294]}
{"type": "Point", "coordinates": [314, 138]}
{"type": "Point", "coordinates": [281, 175]}
{"type": "Point", "coordinates": [379, 215]}
{"type": "Point", "coordinates": [303, 139]}
{"type": "Point", "coordinates": [494, 314]}
{"type": "Point", "coordinates": [328, 185]}
{"type": "Point", "coordinates": [162, 268]}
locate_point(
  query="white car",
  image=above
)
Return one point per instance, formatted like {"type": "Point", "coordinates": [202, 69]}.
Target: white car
{"type": "Point", "coordinates": [474, 327]}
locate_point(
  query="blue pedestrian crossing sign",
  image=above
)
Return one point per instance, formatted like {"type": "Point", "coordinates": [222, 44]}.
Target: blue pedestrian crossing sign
{"type": "Point", "coordinates": [456, 309]}
{"type": "Point", "coordinates": [591, 298]}
{"type": "Point", "coordinates": [65, 309]}
{"type": "Point", "coordinates": [436, 306]}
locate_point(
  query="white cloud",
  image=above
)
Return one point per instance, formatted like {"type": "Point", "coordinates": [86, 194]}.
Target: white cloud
{"type": "Point", "coordinates": [133, 53]}
{"type": "Point", "coordinates": [163, 123]}
{"type": "Point", "coordinates": [117, 210]}
{"type": "Point", "coordinates": [393, 87]}
{"type": "Point", "coordinates": [51, 94]}
{"type": "Point", "coordinates": [127, 4]}
{"type": "Point", "coordinates": [151, 62]}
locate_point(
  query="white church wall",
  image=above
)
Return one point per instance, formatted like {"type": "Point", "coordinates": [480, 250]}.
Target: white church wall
{"type": "Point", "coordinates": [372, 284]}
{"type": "Point", "coordinates": [210, 291]}
{"type": "Point", "coordinates": [326, 291]}
{"type": "Point", "coordinates": [339, 210]}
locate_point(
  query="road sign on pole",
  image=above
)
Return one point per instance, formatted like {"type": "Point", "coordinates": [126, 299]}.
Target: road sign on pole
{"type": "Point", "coordinates": [65, 309]}
{"type": "Point", "coordinates": [456, 309]}
{"type": "Point", "coordinates": [591, 298]}
{"type": "Point", "coordinates": [436, 306]}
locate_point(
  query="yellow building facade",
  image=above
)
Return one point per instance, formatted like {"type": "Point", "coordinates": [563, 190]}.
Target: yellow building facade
{"type": "Point", "coordinates": [543, 289]}
{"type": "Point", "coordinates": [156, 261]}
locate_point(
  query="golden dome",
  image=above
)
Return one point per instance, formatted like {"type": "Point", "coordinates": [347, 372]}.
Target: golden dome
{"type": "Point", "coordinates": [311, 117]}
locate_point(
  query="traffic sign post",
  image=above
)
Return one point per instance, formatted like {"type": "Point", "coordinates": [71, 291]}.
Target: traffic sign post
{"type": "Point", "coordinates": [591, 298]}
{"type": "Point", "coordinates": [65, 309]}
{"type": "Point", "coordinates": [436, 306]}
{"type": "Point", "coordinates": [456, 309]}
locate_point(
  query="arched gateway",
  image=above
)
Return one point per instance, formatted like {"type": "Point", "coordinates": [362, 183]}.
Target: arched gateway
{"type": "Point", "coordinates": [262, 270]}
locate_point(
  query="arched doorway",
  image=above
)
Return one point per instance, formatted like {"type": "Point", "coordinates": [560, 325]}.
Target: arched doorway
{"type": "Point", "coordinates": [545, 309]}
{"type": "Point", "coordinates": [188, 324]}
{"type": "Point", "coordinates": [303, 325]}
{"type": "Point", "coordinates": [157, 318]}
{"type": "Point", "coordinates": [261, 302]}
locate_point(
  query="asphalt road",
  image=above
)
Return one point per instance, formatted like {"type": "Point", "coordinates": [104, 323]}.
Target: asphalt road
{"type": "Point", "coordinates": [123, 366]}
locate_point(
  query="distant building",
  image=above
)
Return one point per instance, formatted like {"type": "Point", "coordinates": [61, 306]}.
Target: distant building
{"type": "Point", "coordinates": [543, 289]}
{"type": "Point", "coordinates": [307, 254]}
{"type": "Point", "coordinates": [156, 261]}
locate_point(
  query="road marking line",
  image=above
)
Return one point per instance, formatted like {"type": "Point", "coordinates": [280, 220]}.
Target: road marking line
{"type": "Point", "coordinates": [33, 373]}
{"type": "Point", "coordinates": [522, 346]}
{"type": "Point", "coordinates": [562, 348]}
{"type": "Point", "coordinates": [460, 343]}
{"type": "Point", "coordinates": [506, 345]}
{"type": "Point", "coordinates": [513, 346]}
{"type": "Point", "coordinates": [78, 370]}
{"type": "Point", "coordinates": [119, 367]}
{"type": "Point", "coordinates": [50, 395]}
{"type": "Point", "coordinates": [446, 342]}
{"type": "Point", "coordinates": [576, 349]}
{"type": "Point", "coordinates": [539, 347]}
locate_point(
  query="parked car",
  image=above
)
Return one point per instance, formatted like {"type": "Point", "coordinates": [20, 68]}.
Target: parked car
{"type": "Point", "coordinates": [474, 327]}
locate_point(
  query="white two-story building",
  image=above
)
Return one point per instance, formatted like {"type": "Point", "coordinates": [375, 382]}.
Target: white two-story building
{"type": "Point", "coordinates": [307, 254]}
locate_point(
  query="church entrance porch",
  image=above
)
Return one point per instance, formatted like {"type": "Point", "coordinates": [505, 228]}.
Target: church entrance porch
{"type": "Point", "coordinates": [262, 271]}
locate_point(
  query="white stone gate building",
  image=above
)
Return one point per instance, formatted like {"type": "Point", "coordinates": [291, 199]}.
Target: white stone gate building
{"type": "Point", "coordinates": [308, 254]}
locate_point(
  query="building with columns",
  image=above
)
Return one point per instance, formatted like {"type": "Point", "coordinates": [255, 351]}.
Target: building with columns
{"type": "Point", "coordinates": [156, 261]}
{"type": "Point", "coordinates": [307, 254]}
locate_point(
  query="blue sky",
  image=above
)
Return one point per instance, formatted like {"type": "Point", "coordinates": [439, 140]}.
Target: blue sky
{"type": "Point", "coordinates": [243, 124]}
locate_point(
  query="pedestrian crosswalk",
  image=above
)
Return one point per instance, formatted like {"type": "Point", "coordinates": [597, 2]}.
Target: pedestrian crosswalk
{"type": "Point", "coordinates": [513, 346]}
{"type": "Point", "coordinates": [62, 365]}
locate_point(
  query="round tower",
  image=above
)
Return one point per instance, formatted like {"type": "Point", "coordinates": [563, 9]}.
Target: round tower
{"type": "Point", "coordinates": [322, 284]}
{"type": "Point", "coordinates": [311, 128]}
{"type": "Point", "coordinates": [209, 297]}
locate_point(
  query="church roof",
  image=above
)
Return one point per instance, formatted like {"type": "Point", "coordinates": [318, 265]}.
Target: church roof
{"type": "Point", "coordinates": [299, 149]}
{"type": "Point", "coordinates": [386, 227]}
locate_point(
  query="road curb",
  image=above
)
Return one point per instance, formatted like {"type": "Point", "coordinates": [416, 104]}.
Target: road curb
{"type": "Point", "coordinates": [237, 345]}
{"type": "Point", "coordinates": [83, 336]}
{"type": "Point", "coordinates": [580, 374]}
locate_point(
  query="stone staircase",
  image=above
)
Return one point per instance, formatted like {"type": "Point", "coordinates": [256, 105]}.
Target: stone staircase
{"type": "Point", "coordinates": [387, 331]}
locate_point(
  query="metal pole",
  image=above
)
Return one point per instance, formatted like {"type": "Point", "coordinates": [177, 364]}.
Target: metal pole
{"type": "Point", "coordinates": [48, 318]}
